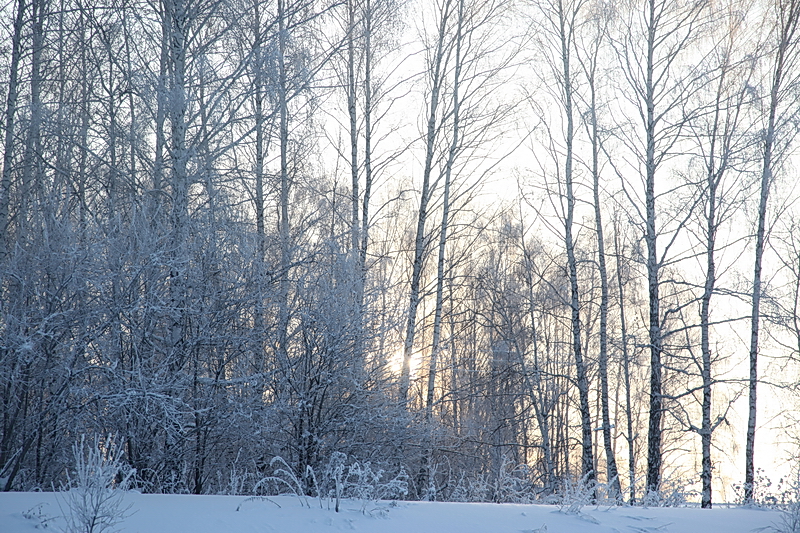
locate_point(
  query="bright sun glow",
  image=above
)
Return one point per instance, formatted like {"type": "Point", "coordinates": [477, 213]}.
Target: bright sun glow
{"type": "Point", "coordinates": [396, 362]}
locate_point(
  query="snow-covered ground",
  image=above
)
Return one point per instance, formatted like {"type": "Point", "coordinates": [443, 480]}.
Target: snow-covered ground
{"type": "Point", "coordinates": [36, 512]}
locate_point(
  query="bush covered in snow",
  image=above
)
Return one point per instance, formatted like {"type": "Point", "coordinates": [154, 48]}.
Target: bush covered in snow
{"type": "Point", "coordinates": [92, 498]}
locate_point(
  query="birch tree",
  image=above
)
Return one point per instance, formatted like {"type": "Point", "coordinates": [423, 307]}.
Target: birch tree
{"type": "Point", "coordinates": [596, 25]}
{"type": "Point", "coordinates": [368, 47]}
{"type": "Point", "coordinates": [9, 123]}
{"type": "Point", "coordinates": [559, 28]}
{"type": "Point", "coordinates": [466, 63]}
{"type": "Point", "coordinates": [722, 138]}
{"type": "Point", "coordinates": [652, 43]}
{"type": "Point", "coordinates": [783, 19]}
{"type": "Point", "coordinates": [437, 59]}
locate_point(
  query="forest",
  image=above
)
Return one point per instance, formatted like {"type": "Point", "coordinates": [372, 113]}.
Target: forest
{"type": "Point", "coordinates": [489, 250]}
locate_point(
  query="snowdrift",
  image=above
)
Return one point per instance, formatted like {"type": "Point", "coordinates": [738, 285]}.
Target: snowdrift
{"type": "Point", "coordinates": [148, 513]}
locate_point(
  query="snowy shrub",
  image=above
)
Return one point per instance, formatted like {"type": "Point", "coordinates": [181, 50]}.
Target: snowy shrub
{"type": "Point", "coordinates": [605, 494]}
{"type": "Point", "coordinates": [770, 495]}
{"type": "Point", "coordinates": [334, 472]}
{"type": "Point", "coordinates": [235, 482]}
{"type": "Point", "coordinates": [365, 483]}
{"type": "Point", "coordinates": [513, 483]}
{"type": "Point", "coordinates": [94, 490]}
{"type": "Point", "coordinates": [789, 496]}
{"type": "Point", "coordinates": [673, 493]}
{"type": "Point", "coordinates": [471, 489]}
{"type": "Point", "coordinates": [790, 519]}
{"type": "Point", "coordinates": [577, 494]}
{"type": "Point", "coordinates": [283, 476]}
{"type": "Point", "coordinates": [361, 481]}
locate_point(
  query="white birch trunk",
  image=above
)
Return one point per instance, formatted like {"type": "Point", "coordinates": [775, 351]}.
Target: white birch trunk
{"type": "Point", "coordinates": [788, 13]}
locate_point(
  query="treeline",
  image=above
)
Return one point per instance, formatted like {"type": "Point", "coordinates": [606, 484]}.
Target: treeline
{"type": "Point", "coordinates": [232, 230]}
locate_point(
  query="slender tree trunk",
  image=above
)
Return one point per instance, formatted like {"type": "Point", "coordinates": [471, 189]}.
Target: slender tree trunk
{"type": "Point", "coordinates": [587, 454]}
{"type": "Point", "coordinates": [111, 111]}
{"type": "Point", "coordinates": [612, 474]}
{"type": "Point", "coordinates": [33, 151]}
{"type": "Point", "coordinates": [10, 118]}
{"type": "Point", "coordinates": [353, 114]}
{"type": "Point", "coordinates": [705, 311]}
{"type": "Point", "coordinates": [630, 437]}
{"type": "Point", "coordinates": [283, 218]}
{"type": "Point", "coordinates": [178, 19]}
{"type": "Point", "coordinates": [361, 265]}
{"type": "Point", "coordinates": [357, 255]}
{"type": "Point", "coordinates": [131, 103]}
{"type": "Point", "coordinates": [178, 352]}
{"type": "Point", "coordinates": [654, 432]}
{"type": "Point", "coordinates": [83, 137]}
{"type": "Point", "coordinates": [440, 263]}
{"type": "Point", "coordinates": [541, 406]}
{"type": "Point", "coordinates": [425, 196]}
{"type": "Point", "coordinates": [14, 395]}
{"type": "Point", "coordinates": [258, 105]}
{"type": "Point", "coordinates": [162, 105]}
{"type": "Point", "coordinates": [788, 12]}
{"type": "Point", "coordinates": [715, 169]}
{"type": "Point", "coordinates": [448, 171]}
{"type": "Point", "coordinates": [368, 15]}
{"type": "Point", "coordinates": [260, 125]}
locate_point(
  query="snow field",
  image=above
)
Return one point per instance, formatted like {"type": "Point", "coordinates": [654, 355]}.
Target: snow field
{"type": "Point", "coordinates": [149, 513]}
